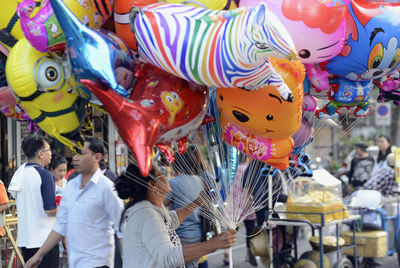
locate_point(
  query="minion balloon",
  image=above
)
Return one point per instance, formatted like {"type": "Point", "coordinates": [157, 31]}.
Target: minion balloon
{"type": "Point", "coordinates": [38, 82]}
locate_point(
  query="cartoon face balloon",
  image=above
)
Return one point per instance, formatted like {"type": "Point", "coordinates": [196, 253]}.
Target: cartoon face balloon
{"type": "Point", "coordinates": [372, 45]}
{"type": "Point", "coordinates": [323, 22]}
{"type": "Point", "coordinates": [37, 80]}
{"type": "Point", "coordinates": [259, 123]}
{"type": "Point", "coordinates": [163, 108]}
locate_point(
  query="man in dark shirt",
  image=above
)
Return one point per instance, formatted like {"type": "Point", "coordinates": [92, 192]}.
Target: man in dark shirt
{"type": "Point", "coordinates": [360, 167]}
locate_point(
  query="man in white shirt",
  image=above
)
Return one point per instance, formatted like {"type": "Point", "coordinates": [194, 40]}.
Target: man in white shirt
{"type": "Point", "coordinates": [33, 188]}
{"type": "Point", "coordinates": [88, 211]}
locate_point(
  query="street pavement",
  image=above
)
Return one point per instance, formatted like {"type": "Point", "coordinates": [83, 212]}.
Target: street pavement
{"type": "Point", "coordinates": [239, 254]}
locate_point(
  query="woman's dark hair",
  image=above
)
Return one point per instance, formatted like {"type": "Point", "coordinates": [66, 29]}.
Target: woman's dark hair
{"type": "Point", "coordinates": [382, 155]}
{"type": "Point", "coordinates": [56, 160]}
{"type": "Point", "coordinates": [32, 145]}
{"type": "Point", "coordinates": [132, 185]}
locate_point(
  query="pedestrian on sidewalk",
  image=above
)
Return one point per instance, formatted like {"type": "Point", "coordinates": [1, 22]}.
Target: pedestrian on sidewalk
{"type": "Point", "coordinates": [33, 188]}
{"type": "Point", "coordinates": [58, 167]}
{"type": "Point", "coordinates": [88, 211]}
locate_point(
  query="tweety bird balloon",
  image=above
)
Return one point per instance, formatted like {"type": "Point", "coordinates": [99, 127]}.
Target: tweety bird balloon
{"type": "Point", "coordinates": [38, 82]}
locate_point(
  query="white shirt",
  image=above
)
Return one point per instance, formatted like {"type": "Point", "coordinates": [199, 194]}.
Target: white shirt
{"type": "Point", "coordinates": [148, 238]}
{"type": "Point", "coordinates": [86, 217]}
{"type": "Point", "coordinates": [33, 188]}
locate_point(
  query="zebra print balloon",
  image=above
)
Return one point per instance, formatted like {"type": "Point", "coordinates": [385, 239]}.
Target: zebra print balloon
{"type": "Point", "coordinates": [212, 47]}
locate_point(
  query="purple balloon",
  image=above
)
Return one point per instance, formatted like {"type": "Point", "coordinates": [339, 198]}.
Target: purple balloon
{"type": "Point", "coordinates": [303, 134]}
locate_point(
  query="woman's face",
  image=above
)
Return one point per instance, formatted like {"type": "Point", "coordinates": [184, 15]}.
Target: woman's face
{"type": "Point", "coordinates": [60, 171]}
{"type": "Point", "coordinates": [161, 181]}
{"type": "Point", "coordinates": [382, 144]}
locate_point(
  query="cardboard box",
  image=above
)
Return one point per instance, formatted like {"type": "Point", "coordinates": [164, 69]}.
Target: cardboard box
{"type": "Point", "coordinates": [372, 244]}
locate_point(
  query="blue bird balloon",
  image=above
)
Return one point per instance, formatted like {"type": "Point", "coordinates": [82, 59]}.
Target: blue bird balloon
{"type": "Point", "coordinates": [97, 55]}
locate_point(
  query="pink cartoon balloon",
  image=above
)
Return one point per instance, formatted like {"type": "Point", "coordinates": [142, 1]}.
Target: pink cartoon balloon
{"type": "Point", "coordinates": [317, 27]}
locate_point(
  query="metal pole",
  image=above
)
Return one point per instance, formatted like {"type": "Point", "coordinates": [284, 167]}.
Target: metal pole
{"type": "Point", "coordinates": [270, 196]}
{"type": "Point", "coordinates": [18, 155]}
{"type": "Point", "coordinates": [111, 144]}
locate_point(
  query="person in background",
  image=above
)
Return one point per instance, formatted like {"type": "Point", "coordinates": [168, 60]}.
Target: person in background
{"type": "Point", "coordinates": [58, 167]}
{"type": "Point", "coordinates": [185, 188]}
{"type": "Point", "coordinates": [4, 205]}
{"type": "Point", "coordinates": [104, 167]}
{"type": "Point", "coordinates": [33, 188]}
{"type": "Point", "coordinates": [384, 180]}
{"type": "Point", "coordinates": [384, 144]}
{"type": "Point", "coordinates": [360, 167]}
{"type": "Point", "coordinates": [149, 237]}
{"type": "Point", "coordinates": [88, 211]}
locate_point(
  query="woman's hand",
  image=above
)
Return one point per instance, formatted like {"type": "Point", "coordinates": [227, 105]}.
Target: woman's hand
{"type": "Point", "coordinates": [226, 239]}
{"type": "Point", "coordinates": [33, 262]}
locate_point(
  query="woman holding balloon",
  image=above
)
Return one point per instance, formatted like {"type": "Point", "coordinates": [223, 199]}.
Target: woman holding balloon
{"type": "Point", "coordinates": [149, 237]}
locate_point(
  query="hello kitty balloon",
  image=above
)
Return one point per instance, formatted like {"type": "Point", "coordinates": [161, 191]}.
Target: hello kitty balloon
{"type": "Point", "coordinates": [317, 27]}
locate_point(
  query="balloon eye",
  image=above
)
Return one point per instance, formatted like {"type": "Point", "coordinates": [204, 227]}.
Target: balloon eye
{"type": "Point", "coordinates": [221, 97]}
{"type": "Point", "coordinates": [51, 74]}
{"type": "Point", "coordinates": [240, 116]}
{"type": "Point", "coordinates": [270, 117]}
{"type": "Point", "coordinates": [261, 45]}
{"type": "Point", "coordinates": [175, 95]}
{"type": "Point", "coordinates": [375, 57]}
{"type": "Point", "coordinates": [304, 53]}
{"type": "Point", "coordinates": [170, 99]}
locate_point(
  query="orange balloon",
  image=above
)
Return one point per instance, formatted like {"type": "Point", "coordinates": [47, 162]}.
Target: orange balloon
{"type": "Point", "coordinates": [121, 18]}
{"type": "Point", "coordinates": [259, 122]}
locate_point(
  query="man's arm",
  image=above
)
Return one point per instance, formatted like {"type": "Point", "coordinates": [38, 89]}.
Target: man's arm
{"type": "Point", "coordinates": [51, 241]}
{"type": "Point", "coordinates": [113, 206]}
{"type": "Point", "coordinates": [185, 211]}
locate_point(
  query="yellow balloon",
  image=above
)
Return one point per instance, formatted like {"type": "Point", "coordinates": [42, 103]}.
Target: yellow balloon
{"type": "Point", "coordinates": [211, 4]}
{"type": "Point", "coordinates": [38, 82]}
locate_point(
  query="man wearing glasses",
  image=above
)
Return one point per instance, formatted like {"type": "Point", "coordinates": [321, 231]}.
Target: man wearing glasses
{"type": "Point", "coordinates": [33, 188]}
{"type": "Point", "coordinates": [88, 211]}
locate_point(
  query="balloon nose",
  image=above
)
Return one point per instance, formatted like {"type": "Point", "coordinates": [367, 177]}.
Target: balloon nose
{"type": "Point", "coordinates": [291, 56]}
